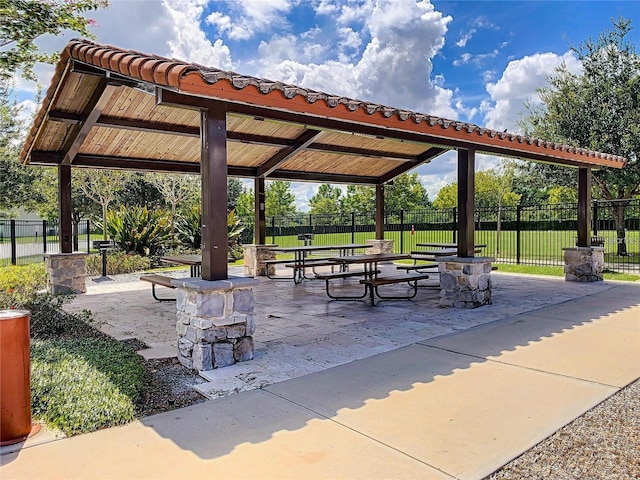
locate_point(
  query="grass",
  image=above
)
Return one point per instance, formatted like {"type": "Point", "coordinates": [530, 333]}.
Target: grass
{"type": "Point", "coordinates": [559, 272]}
{"type": "Point", "coordinates": [81, 379]}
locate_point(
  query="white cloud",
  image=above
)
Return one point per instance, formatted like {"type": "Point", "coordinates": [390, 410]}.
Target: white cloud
{"type": "Point", "coordinates": [190, 43]}
{"type": "Point", "coordinates": [390, 69]}
{"type": "Point", "coordinates": [465, 38]}
{"type": "Point", "coordinates": [250, 17]}
{"type": "Point", "coordinates": [518, 85]}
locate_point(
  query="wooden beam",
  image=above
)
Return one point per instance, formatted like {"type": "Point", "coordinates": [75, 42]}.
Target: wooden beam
{"type": "Point", "coordinates": [260, 229]}
{"type": "Point", "coordinates": [318, 177]}
{"type": "Point", "coordinates": [65, 209]}
{"type": "Point", "coordinates": [379, 212]}
{"type": "Point", "coordinates": [38, 157]}
{"type": "Point", "coordinates": [213, 163]}
{"type": "Point", "coordinates": [285, 154]}
{"type": "Point", "coordinates": [584, 207]}
{"type": "Point", "coordinates": [466, 202]}
{"type": "Point", "coordinates": [139, 164]}
{"type": "Point", "coordinates": [92, 112]}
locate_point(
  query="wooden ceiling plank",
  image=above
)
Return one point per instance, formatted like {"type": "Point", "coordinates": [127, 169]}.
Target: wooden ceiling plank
{"type": "Point", "coordinates": [286, 153]}
{"type": "Point", "coordinates": [425, 157]}
{"type": "Point", "coordinates": [97, 102]}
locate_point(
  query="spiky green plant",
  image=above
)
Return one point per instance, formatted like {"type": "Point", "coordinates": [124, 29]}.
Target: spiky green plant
{"type": "Point", "coordinates": [138, 229]}
{"type": "Point", "coordinates": [189, 224]}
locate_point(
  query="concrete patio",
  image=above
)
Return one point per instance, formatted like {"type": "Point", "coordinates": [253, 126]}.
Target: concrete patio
{"type": "Point", "coordinates": [301, 331]}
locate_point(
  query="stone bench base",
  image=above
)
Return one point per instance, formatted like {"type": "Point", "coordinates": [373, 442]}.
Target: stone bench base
{"type": "Point", "coordinates": [583, 264]}
{"type": "Point", "coordinates": [465, 282]}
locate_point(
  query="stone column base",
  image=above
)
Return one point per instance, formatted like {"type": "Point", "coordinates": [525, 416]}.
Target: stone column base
{"type": "Point", "coordinates": [66, 272]}
{"type": "Point", "coordinates": [465, 282]}
{"type": "Point", "coordinates": [215, 321]}
{"type": "Point", "coordinates": [379, 246]}
{"type": "Point", "coordinates": [583, 264]}
{"type": "Point", "coordinates": [254, 257]}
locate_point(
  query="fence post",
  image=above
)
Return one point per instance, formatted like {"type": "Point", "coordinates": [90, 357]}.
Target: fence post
{"type": "Point", "coordinates": [595, 218]}
{"type": "Point", "coordinates": [455, 225]}
{"type": "Point", "coordinates": [518, 210]}
{"type": "Point", "coordinates": [273, 229]}
{"type": "Point", "coordinates": [401, 231]}
{"type": "Point", "coordinates": [88, 237]}
{"type": "Point", "coordinates": [353, 227]}
{"type": "Point", "coordinates": [13, 241]}
{"type": "Point", "coordinates": [44, 236]}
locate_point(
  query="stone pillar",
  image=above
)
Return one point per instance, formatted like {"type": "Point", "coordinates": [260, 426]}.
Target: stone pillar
{"type": "Point", "coordinates": [254, 257]}
{"type": "Point", "coordinates": [215, 321]}
{"type": "Point", "coordinates": [465, 282]}
{"type": "Point", "coordinates": [66, 272]}
{"type": "Point", "coordinates": [379, 246]}
{"type": "Point", "coordinates": [583, 264]}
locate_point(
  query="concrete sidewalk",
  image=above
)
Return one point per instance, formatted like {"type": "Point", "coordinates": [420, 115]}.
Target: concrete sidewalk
{"type": "Point", "coordinates": [455, 406]}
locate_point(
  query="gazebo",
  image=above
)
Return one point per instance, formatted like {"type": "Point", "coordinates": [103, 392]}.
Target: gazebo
{"type": "Point", "coordinates": [119, 109]}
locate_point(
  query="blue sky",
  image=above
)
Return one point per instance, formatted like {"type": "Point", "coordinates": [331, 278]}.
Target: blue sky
{"type": "Point", "coordinates": [475, 61]}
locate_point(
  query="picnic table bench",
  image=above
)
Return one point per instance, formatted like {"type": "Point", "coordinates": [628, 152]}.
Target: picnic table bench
{"type": "Point", "coordinates": [155, 279]}
{"type": "Point", "coordinates": [328, 276]}
{"type": "Point", "coordinates": [375, 282]}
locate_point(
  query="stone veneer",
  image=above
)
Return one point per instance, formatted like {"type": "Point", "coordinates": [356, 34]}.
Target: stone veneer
{"type": "Point", "coordinates": [379, 246]}
{"type": "Point", "coordinates": [254, 257]}
{"type": "Point", "coordinates": [215, 321]}
{"type": "Point", "coordinates": [465, 282]}
{"type": "Point", "coordinates": [583, 264]}
{"type": "Point", "coordinates": [66, 272]}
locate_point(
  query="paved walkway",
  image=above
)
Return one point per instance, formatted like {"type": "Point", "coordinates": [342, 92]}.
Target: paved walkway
{"type": "Point", "coordinates": [432, 393]}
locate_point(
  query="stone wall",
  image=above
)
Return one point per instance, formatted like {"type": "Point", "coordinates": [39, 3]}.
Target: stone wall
{"type": "Point", "coordinates": [254, 257]}
{"type": "Point", "coordinates": [66, 272]}
{"type": "Point", "coordinates": [215, 322]}
{"type": "Point", "coordinates": [465, 282]}
{"type": "Point", "coordinates": [583, 264]}
{"type": "Point", "coordinates": [379, 246]}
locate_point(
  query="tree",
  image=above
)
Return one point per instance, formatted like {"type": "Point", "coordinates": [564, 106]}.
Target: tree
{"type": "Point", "coordinates": [175, 189]}
{"type": "Point", "coordinates": [405, 193]}
{"type": "Point", "coordinates": [234, 189]}
{"type": "Point", "coordinates": [279, 201]}
{"type": "Point", "coordinates": [359, 199]}
{"type": "Point", "coordinates": [245, 204]}
{"type": "Point", "coordinates": [102, 187]}
{"type": "Point", "coordinates": [326, 201]}
{"type": "Point", "coordinates": [599, 109]}
{"type": "Point", "coordinates": [447, 197]}
{"type": "Point", "coordinates": [16, 187]}
{"type": "Point", "coordinates": [22, 21]}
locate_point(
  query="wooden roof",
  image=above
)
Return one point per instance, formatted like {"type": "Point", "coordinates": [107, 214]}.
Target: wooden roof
{"type": "Point", "coordinates": [111, 108]}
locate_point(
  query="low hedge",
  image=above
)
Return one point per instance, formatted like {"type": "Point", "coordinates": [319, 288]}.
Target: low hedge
{"type": "Point", "coordinates": [82, 385]}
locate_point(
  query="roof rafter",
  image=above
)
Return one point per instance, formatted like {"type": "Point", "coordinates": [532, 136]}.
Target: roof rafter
{"type": "Point", "coordinates": [285, 154]}
{"type": "Point", "coordinates": [96, 104]}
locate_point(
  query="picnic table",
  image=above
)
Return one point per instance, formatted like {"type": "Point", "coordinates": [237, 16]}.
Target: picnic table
{"type": "Point", "coordinates": [371, 279]}
{"type": "Point", "coordinates": [301, 259]}
{"type": "Point", "coordinates": [194, 261]}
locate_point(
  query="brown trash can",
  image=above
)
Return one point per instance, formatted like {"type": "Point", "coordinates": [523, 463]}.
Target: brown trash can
{"type": "Point", "coordinates": [15, 375]}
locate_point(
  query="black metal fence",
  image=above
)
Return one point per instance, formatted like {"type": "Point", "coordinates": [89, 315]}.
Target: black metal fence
{"type": "Point", "coordinates": [26, 241]}
{"type": "Point", "coordinates": [528, 235]}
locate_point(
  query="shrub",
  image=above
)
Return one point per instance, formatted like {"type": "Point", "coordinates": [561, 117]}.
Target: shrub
{"type": "Point", "coordinates": [138, 229]}
{"type": "Point", "coordinates": [81, 385]}
{"type": "Point", "coordinates": [188, 227]}
{"type": "Point", "coordinates": [189, 224]}
{"type": "Point", "coordinates": [117, 262]}
{"type": "Point", "coordinates": [27, 278]}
